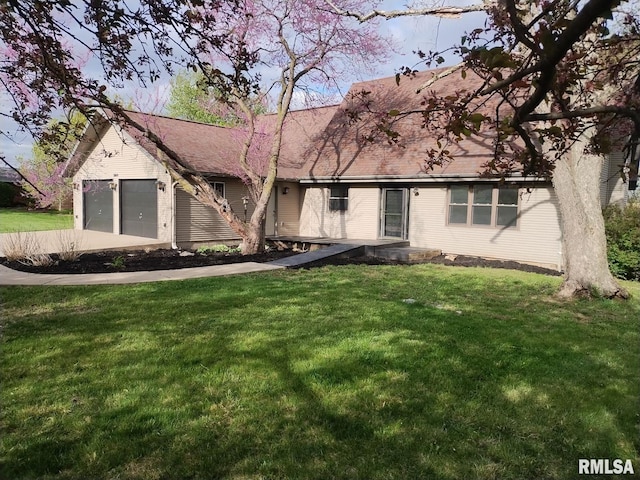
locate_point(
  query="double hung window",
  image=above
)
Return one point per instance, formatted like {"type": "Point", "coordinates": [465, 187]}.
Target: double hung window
{"type": "Point", "coordinates": [483, 205]}
{"type": "Point", "coordinates": [338, 198]}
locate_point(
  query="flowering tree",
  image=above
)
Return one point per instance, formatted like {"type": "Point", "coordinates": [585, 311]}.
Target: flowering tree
{"type": "Point", "coordinates": [44, 171]}
{"type": "Point", "coordinates": [560, 88]}
{"type": "Point", "coordinates": [237, 44]}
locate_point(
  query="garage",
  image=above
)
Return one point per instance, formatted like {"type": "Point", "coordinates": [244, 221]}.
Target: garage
{"type": "Point", "coordinates": [98, 205]}
{"type": "Point", "coordinates": [139, 208]}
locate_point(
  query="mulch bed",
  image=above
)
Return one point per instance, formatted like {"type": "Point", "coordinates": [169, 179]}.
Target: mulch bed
{"type": "Point", "coordinates": [166, 259]}
{"type": "Point", "coordinates": [457, 260]}
{"type": "Point", "coordinates": [140, 260]}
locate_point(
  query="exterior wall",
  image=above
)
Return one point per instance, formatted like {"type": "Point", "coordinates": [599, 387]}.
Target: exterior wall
{"type": "Point", "coordinates": [612, 187]}
{"type": "Point", "coordinates": [196, 222]}
{"type": "Point", "coordinates": [360, 221]}
{"type": "Point", "coordinates": [536, 239]}
{"type": "Point", "coordinates": [116, 157]}
{"type": "Point", "coordinates": [288, 208]}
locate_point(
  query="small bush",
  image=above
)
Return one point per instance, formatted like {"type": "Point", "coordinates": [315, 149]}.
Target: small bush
{"type": "Point", "coordinates": [70, 243]}
{"type": "Point", "coordinates": [622, 227]}
{"type": "Point", "coordinates": [217, 249]}
{"type": "Point", "coordinates": [38, 260]}
{"type": "Point", "coordinates": [118, 263]}
{"type": "Point", "coordinates": [19, 246]}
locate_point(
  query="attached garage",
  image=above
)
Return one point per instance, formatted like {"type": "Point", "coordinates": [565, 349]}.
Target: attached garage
{"type": "Point", "coordinates": [139, 208]}
{"type": "Point", "coordinates": [98, 205]}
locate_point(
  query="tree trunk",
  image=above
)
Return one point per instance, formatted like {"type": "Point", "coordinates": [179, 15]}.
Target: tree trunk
{"type": "Point", "coordinates": [254, 239]}
{"type": "Point", "coordinates": [576, 180]}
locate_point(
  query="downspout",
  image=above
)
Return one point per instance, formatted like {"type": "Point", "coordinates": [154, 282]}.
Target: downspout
{"type": "Point", "coordinates": [174, 234]}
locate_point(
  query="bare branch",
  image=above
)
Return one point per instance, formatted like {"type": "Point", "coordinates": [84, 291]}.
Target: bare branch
{"type": "Point", "coordinates": [440, 76]}
{"type": "Point", "coordinates": [442, 12]}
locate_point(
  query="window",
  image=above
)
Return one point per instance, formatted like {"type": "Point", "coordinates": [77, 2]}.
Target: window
{"type": "Point", "coordinates": [482, 199]}
{"type": "Point", "coordinates": [483, 205]}
{"type": "Point", "coordinates": [339, 198]}
{"type": "Point", "coordinates": [458, 204]}
{"type": "Point", "coordinates": [219, 188]}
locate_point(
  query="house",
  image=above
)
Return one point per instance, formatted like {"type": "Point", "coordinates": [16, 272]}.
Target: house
{"type": "Point", "coordinates": [334, 181]}
{"type": "Point", "coordinates": [11, 192]}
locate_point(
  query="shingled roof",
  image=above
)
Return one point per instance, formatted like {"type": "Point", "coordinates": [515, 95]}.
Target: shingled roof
{"type": "Point", "coordinates": [358, 149]}
{"type": "Point", "coordinates": [325, 143]}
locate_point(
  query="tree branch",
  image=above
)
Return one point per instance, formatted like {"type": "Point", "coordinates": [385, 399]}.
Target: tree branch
{"type": "Point", "coordinates": [442, 12]}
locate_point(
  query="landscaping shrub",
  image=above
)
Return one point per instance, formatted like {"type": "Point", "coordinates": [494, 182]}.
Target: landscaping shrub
{"type": "Point", "coordinates": [8, 194]}
{"type": "Point", "coordinates": [622, 225]}
{"type": "Point", "coordinates": [218, 249]}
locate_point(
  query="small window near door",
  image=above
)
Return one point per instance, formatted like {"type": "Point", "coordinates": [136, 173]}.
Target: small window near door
{"type": "Point", "coordinates": [339, 198]}
{"type": "Point", "coordinates": [219, 188]}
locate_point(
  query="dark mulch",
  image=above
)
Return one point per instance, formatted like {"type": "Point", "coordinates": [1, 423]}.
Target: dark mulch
{"type": "Point", "coordinates": [163, 259]}
{"type": "Point", "coordinates": [139, 260]}
{"type": "Point", "coordinates": [459, 260]}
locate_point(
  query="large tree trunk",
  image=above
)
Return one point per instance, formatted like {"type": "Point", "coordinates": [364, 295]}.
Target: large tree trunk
{"type": "Point", "coordinates": [576, 180]}
{"type": "Point", "coordinates": [253, 241]}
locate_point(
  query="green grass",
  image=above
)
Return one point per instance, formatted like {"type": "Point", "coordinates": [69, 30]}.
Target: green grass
{"type": "Point", "coordinates": [22, 220]}
{"type": "Point", "coordinates": [315, 375]}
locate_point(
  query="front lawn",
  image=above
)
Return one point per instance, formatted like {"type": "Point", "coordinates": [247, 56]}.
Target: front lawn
{"type": "Point", "coordinates": [328, 373]}
{"type": "Point", "coordinates": [23, 220]}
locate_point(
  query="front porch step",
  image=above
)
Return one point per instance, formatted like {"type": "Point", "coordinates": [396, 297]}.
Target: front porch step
{"type": "Point", "coordinates": [407, 254]}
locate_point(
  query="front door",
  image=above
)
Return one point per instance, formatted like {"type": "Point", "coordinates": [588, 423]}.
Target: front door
{"type": "Point", "coordinates": [139, 208]}
{"type": "Point", "coordinates": [394, 221]}
{"type": "Point", "coordinates": [98, 205]}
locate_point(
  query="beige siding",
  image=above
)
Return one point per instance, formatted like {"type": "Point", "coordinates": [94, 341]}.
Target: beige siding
{"type": "Point", "coordinates": [288, 209]}
{"type": "Point", "coordinates": [116, 157]}
{"type": "Point", "coordinates": [537, 238]}
{"type": "Point", "coordinates": [360, 221]}
{"type": "Point", "coordinates": [196, 222]}
{"type": "Point", "coordinates": [612, 187]}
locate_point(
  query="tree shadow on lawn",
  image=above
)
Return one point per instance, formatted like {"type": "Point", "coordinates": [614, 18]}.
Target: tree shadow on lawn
{"type": "Point", "coordinates": [361, 386]}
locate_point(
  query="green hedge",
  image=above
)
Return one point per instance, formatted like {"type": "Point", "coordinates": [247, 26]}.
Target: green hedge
{"type": "Point", "coordinates": [622, 226]}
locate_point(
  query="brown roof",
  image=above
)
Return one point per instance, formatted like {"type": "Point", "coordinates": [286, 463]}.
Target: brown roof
{"type": "Point", "coordinates": [198, 146]}
{"type": "Point", "coordinates": [325, 142]}
{"type": "Point", "coordinates": [348, 148]}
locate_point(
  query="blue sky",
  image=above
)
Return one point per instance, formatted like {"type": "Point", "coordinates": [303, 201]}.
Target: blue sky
{"type": "Point", "coordinates": [410, 34]}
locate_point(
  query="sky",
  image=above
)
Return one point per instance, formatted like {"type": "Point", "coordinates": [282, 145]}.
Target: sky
{"type": "Point", "coordinates": [410, 34]}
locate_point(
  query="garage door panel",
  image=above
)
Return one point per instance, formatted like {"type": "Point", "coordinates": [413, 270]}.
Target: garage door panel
{"type": "Point", "coordinates": [98, 205]}
{"type": "Point", "coordinates": [139, 208]}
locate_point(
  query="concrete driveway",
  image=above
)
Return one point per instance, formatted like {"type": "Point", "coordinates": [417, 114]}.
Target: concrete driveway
{"type": "Point", "coordinates": [55, 241]}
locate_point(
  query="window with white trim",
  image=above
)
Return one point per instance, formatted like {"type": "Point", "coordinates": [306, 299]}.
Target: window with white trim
{"type": "Point", "coordinates": [338, 198]}
{"type": "Point", "coordinates": [219, 188]}
{"type": "Point", "coordinates": [483, 205]}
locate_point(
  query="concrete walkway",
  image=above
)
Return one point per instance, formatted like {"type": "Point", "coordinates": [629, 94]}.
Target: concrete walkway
{"type": "Point", "coordinates": [106, 241]}
{"type": "Point", "coordinates": [14, 277]}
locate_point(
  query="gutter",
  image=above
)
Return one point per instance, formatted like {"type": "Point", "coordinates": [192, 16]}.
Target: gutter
{"type": "Point", "coordinates": [413, 179]}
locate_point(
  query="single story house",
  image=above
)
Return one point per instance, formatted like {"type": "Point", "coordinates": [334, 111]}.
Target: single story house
{"type": "Point", "coordinates": [334, 181]}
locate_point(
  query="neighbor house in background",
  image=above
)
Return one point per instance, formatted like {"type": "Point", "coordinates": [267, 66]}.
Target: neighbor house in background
{"type": "Point", "coordinates": [11, 192]}
{"type": "Point", "coordinates": [335, 180]}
